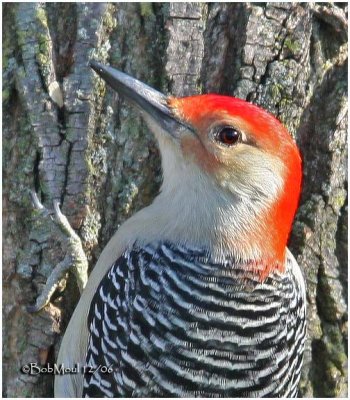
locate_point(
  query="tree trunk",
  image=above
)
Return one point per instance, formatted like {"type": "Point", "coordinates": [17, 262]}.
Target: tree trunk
{"type": "Point", "coordinates": [70, 139]}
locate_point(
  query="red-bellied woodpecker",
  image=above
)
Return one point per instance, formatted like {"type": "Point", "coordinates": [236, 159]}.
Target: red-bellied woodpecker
{"type": "Point", "coordinates": [197, 294]}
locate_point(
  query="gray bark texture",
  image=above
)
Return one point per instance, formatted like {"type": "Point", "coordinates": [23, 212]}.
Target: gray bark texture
{"type": "Point", "coordinates": [72, 140]}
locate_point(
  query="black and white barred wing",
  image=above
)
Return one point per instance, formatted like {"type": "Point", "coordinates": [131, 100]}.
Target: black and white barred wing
{"type": "Point", "coordinates": [169, 322]}
{"type": "Point", "coordinates": [109, 322]}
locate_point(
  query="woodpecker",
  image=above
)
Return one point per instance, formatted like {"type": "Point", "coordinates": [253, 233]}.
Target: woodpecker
{"type": "Point", "coordinates": [197, 295]}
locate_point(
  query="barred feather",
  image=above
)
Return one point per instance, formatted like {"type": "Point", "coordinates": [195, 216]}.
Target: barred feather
{"type": "Point", "coordinates": [170, 322]}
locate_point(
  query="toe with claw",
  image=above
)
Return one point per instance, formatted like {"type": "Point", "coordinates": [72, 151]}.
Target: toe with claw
{"type": "Point", "coordinates": [75, 257]}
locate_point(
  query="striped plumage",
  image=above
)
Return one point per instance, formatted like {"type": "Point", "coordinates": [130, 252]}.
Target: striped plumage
{"type": "Point", "coordinates": [170, 322]}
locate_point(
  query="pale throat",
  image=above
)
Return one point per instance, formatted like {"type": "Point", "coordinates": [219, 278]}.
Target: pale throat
{"type": "Point", "coordinates": [197, 212]}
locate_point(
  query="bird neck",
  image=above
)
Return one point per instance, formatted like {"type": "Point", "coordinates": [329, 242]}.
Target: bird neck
{"type": "Point", "coordinates": [190, 212]}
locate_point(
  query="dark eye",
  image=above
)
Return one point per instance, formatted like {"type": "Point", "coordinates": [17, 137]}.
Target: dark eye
{"type": "Point", "coordinates": [228, 136]}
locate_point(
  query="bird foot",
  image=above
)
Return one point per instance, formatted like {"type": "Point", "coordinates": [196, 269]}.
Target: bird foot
{"type": "Point", "coordinates": [75, 258]}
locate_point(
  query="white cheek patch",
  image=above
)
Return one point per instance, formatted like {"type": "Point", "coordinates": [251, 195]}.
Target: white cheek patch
{"type": "Point", "coordinates": [258, 178]}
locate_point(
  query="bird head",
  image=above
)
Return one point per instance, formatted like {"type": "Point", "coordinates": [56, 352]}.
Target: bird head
{"type": "Point", "coordinates": [230, 168]}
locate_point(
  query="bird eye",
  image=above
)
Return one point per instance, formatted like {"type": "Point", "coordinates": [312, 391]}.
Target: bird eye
{"type": "Point", "coordinates": [228, 136]}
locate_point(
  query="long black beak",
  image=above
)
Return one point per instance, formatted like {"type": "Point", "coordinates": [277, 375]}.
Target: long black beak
{"type": "Point", "coordinates": [151, 102]}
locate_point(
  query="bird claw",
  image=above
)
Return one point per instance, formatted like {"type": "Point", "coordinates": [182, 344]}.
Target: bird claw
{"type": "Point", "coordinates": [75, 258]}
{"type": "Point", "coordinates": [36, 202]}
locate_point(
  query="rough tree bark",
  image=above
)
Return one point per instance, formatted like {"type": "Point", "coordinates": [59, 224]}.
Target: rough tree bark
{"type": "Point", "coordinates": [70, 139]}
